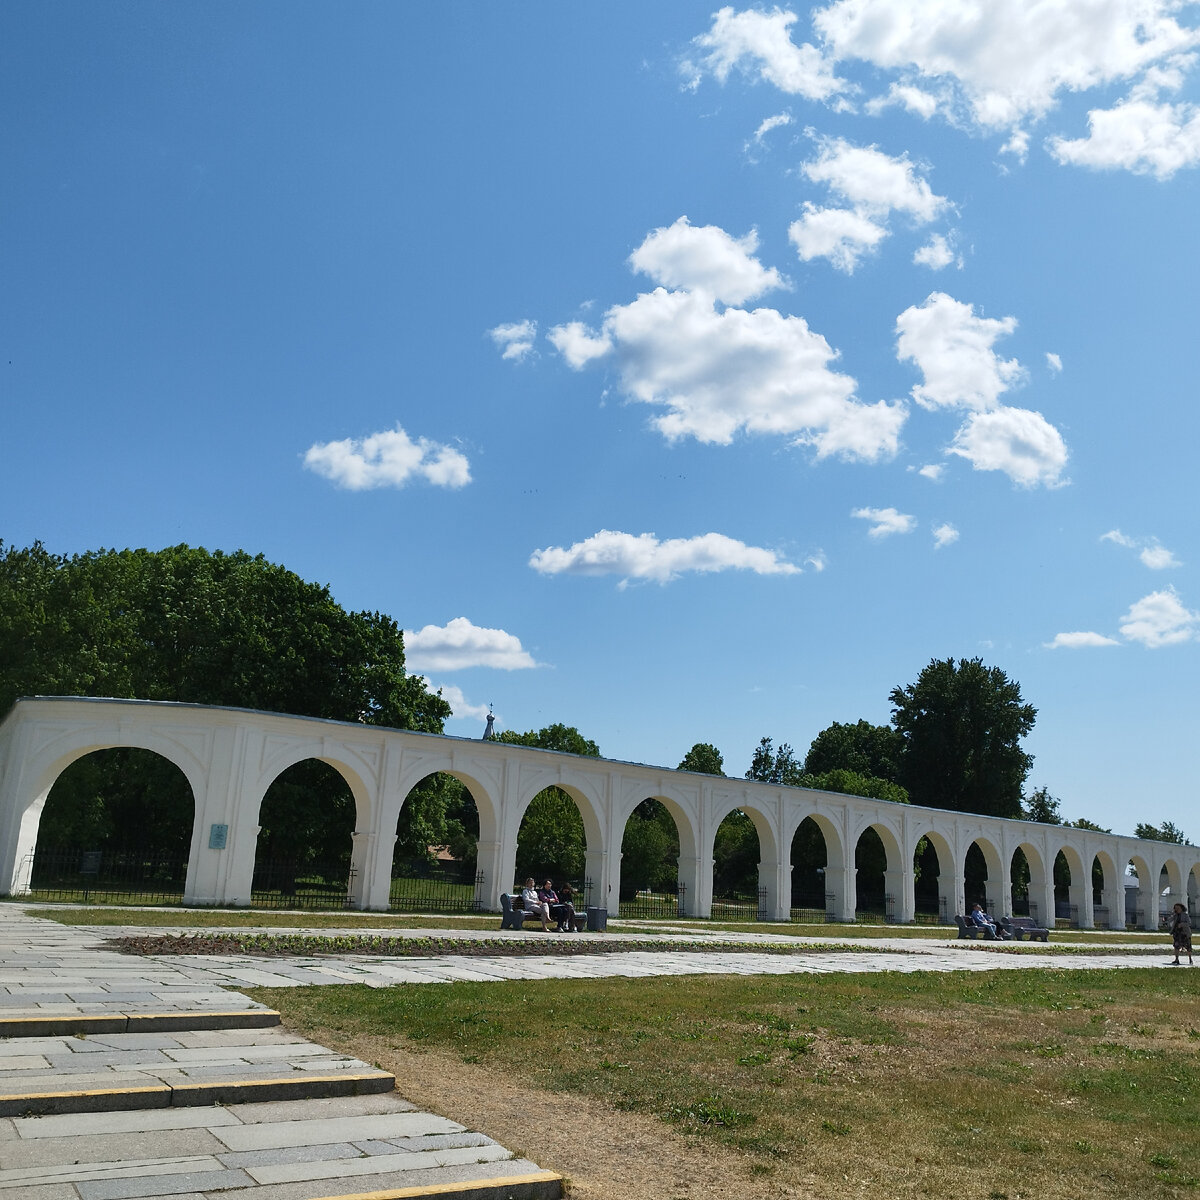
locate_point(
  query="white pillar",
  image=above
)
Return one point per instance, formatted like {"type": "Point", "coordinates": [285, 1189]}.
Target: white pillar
{"type": "Point", "coordinates": [775, 878]}
{"type": "Point", "coordinates": [690, 877]}
{"type": "Point", "coordinates": [841, 896]}
{"type": "Point", "coordinates": [900, 887]}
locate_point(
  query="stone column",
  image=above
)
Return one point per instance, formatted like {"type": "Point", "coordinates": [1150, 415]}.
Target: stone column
{"type": "Point", "coordinates": [900, 886]}
{"type": "Point", "coordinates": [841, 894]}
{"type": "Point", "coordinates": [690, 879]}
{"type": "Point", "coordinates": [775, 878]}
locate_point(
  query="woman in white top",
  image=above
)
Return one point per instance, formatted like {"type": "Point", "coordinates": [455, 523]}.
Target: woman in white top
{"type": "Point", "coordinates": [532, 903]}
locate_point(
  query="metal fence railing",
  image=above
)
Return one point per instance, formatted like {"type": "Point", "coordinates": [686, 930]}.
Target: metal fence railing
{"type": "Point", "coordinates": [105, 876]}
{"type": "Point", "coordinates": [656, 905]}
{"type": "Point", "coordinates": [738, 907]}
{"type": "Point", "coordinates": [282, 883]}
{"type": "Point", "coordinates": [436, 892]}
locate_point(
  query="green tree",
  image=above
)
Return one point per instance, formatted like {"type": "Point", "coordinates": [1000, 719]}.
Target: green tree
{"type": "Point", "coordinates": [961, 725]}
{"type": "Point", "coordinates": [775, 766]}
{"type": "Point", "coordinates": [735, 857]}
{"type": "Point", "coordinates": [1084, 823]}
{"type": "Point", "coordinates": [703, 758]}
{"type": "Point", "coordinates": [1043, 808]}
{"type": "Point", "coordinates": [649, 850]}
{"type": "Point", "coordinates": [190, 625]}
{"type": "Point", "coordinates": [851, 783]}
{"type": "Point", "coordinates": [1166, 832]}
{"type": "Point", "coordinates": [871, 750]}
{"type": "Point", "coordinates": [551, 841]}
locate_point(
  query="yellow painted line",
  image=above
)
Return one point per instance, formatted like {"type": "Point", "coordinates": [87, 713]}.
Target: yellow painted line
{"type": "Point", "coordinates": [298, 1079]}
{"type": "Point", "coordinates": [202, 1014]}
{"type": "Point", "coordinates": [449, 1189]}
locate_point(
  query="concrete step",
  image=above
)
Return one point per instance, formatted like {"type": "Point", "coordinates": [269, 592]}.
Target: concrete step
{"type": "Point", "coordinates": [39, 1025]}
{"type": "Point", "coordinates": [169, 1069]}
{"type": "Point", "coordinates": [317, 1149]}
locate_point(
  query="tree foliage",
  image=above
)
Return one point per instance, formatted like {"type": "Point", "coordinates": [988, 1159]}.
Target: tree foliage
{"type": "Point", "coordinates": [1042, 807]}
{"type": "Point", "coordinates": [961, 725]}
{"type": "Point", "coordinates": [775, 766]}
{"type": "Point", "coordinates": [851, 783]}
{"type": "Point", "coordinates": [195, 626]}
{"type": "Point", "coordinates": [1168, 831]}
{"type": "Point", "coordinates": [870, 750]}
{"type": "Point", "coordinates": [551, 841]}
{"type": "Point", "coordinates": [704, 759]}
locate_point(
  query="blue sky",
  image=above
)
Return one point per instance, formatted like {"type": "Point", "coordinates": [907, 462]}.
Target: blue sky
{"type": "Point", "coordinates": [676, 374]}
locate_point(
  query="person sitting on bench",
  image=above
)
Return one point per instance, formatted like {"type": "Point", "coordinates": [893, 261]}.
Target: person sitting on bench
{"type": "Point", "coordinates": [562, 911]}
{"type": "Point", "coordinates": [980, 918]}
{"type": "Point", "coordinates": [531, 902]}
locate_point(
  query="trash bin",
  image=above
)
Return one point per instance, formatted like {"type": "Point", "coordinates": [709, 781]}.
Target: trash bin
{"type": "Point", "coordinates": [597, 919]}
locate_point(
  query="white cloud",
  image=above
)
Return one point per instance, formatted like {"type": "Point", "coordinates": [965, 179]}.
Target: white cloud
{"type": "Point", "coordinates": [643, 556]}
{"type": "Point", "coordinates": [1053, 362]}
{"type": "Point", "coordinates": [515, 340]}
{"type": "Point", "coordinates": [721, 372]}
{"type": "Point", "coordinates": [913, 99]}
{"type": "Point", "coordinates": [578, 344]}
{"type": "Point", "coordinates": [937, 254]}
{"type": "Point", "coordinates": [459, 645]}
{"type": "Point", "coordinates": [1157, 557]}
{"type": "Point", "coordinates": [1021, 443]}
{"type": "Point", "coordinates": [874, 182]}
{"type": "Point", "coordinates": [460, 706]}
{"type": "Point", "coordinates": [838, 234]}
{"type": "Point", "coordinates": [1151, 551]}
{"type": "Point", "coordinates": [817, 561]}
{"type": "Point", "coordinates": [952, 348]}
{"type": "Point", "coordinates": [705, 258]}
{"type": "Point", "coordinates": [387, 459]}
{"type": "Point", "coordinates": [759, 44]}
{"type": "Point", "coordinates": [885, 521]}
{"type": "Point", "coordinates": [1138, 136]}
{"type": "Point", "coordinates": [932, 471]}
{"type": "Point", "coordinates": [1159, 619]}
{"type": "Point", "coordinates": [1009, 61]}
{"type": "Point", "coordinates": [1076, 641]}
{"type": "Point", "coordinates": [944, 535]}
{"type": "Point", "coordinates": [770, 123]}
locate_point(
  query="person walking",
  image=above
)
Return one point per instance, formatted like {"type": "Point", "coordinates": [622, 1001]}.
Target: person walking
{"type": "Point", "coordinates": [1180, 925]}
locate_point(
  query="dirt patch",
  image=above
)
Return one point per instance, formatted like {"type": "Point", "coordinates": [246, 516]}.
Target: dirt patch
{"type": "Point", "coordinates": [605, 1154]}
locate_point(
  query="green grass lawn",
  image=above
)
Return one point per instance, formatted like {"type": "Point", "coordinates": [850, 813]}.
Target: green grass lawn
{"type": "Point", "coordinates": [1052, 1085]}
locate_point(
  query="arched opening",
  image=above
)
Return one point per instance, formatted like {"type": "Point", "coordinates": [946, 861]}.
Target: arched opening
{"type": "Point", "coordinates": [928, 905]}
{"type": "Point", "coordinates": [975, 878]}
{"type": "Point", "coordinates": [1193, 893]}
{"type": "Point", "coordinates": [117, 825]}
{"type": "Point", "coordinates": [306, 822]}
{"type": "Point", "coordinates": [736, 855]}
{"type": "Point", "coordinates": [872, 902]}
{"type": "Point", "coordinates": [1021, 877]}
{"type": "Point", "coordinates": [435, 857]}
{"type": "Point", "coordinates": [1141, 898]}
{"type": "Point", "coordinates": [810, 858]}
{"type": "Point", "coordinates": [1100, 912]}
{"type": "Point", "coordinates": [552, 844]}
{"type": "Point", "coordinates": [1064, 910]}
{"type": "Point", "coordinates": [650, 863]}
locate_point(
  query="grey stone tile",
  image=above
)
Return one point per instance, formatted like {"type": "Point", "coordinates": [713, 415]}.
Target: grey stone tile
{"type": "Point", "coordinates": [161, 1185]}
{"type": "Point", "coordinates": [345, 1169]}
{"type": "Point", "coordinates": [123, 1122]}
{"type": "Point", "coordinates": [289, 1154]}
{"type": "Point", "coordinates": [109, 1147]}
{"type": "Point", "coordinates": [280, 1134]}
{"type": "Point", "coordinates": [322, 1109]}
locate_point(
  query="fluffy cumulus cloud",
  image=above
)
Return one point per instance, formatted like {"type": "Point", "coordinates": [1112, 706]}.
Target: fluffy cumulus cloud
{"type": "Point", "coordinates": [460, 706]}
{"type": "Point", "coordinates": [1150, 551]}
{"type": "Point", "coordinates": [1159, 619]}
{"type": "Point", "coordinates": [644, 557]}
{"type": "Point", "coordinates": [1021, 443]}
{"type": "Point", "coordinates": [1080, 640]}
{"type": "Point", "coordinates": [759, 44]}
{"type": "Point", "coordinates": [954, 351]}
{"type": "Point", "coordinates": [704, 258]}
{"type": "Point", "coordinates": [871, 186]}
{"type": "Point", "coordinates": [459, 644]}
{"type": "Point", "coordinates": [952, 348]}
{"type": "Point", "coordinates": [1054, 362]}
{"type": "Point", "coordinates": [515, 340]}
{"type": "Point", "coordinates": [387, 459]}
{"type": "Point", "coordinates": [885, 521]}
{"type": "Point", "coordinates": [944, 535]}
{"type": "Point", "coordinates": [718, 370]}
{"type": "Point", "coordinates": [1141, 136]}
{"type": "Point", "coordinates": [998, 67]}
{"type": "Point", "coordinates": [937, 254]}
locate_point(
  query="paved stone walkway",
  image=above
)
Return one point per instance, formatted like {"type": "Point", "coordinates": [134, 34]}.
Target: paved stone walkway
{"type": "Point", "coordinates": [125, 1077]}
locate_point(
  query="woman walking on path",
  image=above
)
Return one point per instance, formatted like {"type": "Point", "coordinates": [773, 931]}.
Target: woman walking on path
{"type": "Point", "coordinates": [1180, 926]}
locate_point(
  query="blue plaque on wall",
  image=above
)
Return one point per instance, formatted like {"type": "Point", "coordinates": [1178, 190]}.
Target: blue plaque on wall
{"type": "Point", "coordinates": [217, 835]}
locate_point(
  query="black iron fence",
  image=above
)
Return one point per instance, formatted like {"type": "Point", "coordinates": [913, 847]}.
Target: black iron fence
{"type": "Point", "coordinates": [284, 883]}
{"type": "Point", "coordinates": [444, 888]}
{"type": "Point", "coordinates": [656, 905]}
{"type": "Point", "coordinates": [105, 876]}
{"type": "Point", "coordinates": [739, 906]}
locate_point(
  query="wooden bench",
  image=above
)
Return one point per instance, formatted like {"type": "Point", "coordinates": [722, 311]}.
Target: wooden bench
{"type": "Point", "coordinates": [513, 916]}
{"type": "Point", "coordinates": [966, 929]}
{"type": "Point", "coordinates": [1025, 927]}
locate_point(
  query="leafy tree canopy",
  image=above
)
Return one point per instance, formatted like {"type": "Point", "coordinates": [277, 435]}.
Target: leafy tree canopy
{"type": "Point", "coordinates": [703, 758]}
{"type": "Point", "coordinates": [564, 738]}
{"type": "Point", "coordinates": [1166, 832]}
{"type": "Point", "coordinates": [851, 783]}
{"type": "Point", "coordinates": [206, 628]}
{"type": "Point", "coordinates": [871, 750]}
{"type": "Point", "coordinates": [1084, 823]}
{"type": "Point", "coordinates": [961, 725]}
{"type": "Point", "coordinates": [775, 766]}
{"type": "Point", "coordinates": [1043, 808]}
